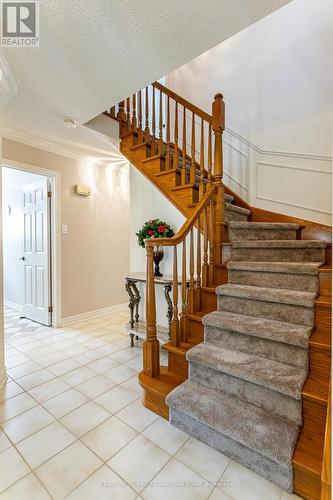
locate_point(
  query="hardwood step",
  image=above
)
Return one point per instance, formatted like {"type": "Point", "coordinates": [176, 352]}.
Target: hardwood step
{"type": "Point", "coordinates": [177, 362]}
{"type": "Point", "coordinates": [307, 463]}
{"type": "Point", "coordinates": [188, 194]}
{"type": "Point", "coordinates": [156, 389]}
{"type": "Point", "coordinates": [170, 178]}
{"type": "Point", "coordinates": [155, 164]}
{"type": "Point", "coordinates": [325, 280]}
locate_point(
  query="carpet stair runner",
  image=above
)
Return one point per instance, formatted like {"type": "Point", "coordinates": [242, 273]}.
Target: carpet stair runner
{"type": "Point", "coordinates": [243, 394]}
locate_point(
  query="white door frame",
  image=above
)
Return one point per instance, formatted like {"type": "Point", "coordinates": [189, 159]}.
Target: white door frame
{"type": "Point", "coordinates": [55, 178]}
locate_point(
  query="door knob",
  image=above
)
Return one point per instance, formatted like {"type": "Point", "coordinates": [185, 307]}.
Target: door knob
{"type": "Point", "coordinates": [22, 258]}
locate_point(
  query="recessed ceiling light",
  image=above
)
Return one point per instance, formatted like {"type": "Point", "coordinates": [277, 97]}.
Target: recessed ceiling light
{"type": "Point", "coordinates": [69, 123]}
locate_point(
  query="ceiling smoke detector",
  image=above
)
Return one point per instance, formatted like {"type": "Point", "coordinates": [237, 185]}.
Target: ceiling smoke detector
{"type": "Point", "coordinates": [69, 123]}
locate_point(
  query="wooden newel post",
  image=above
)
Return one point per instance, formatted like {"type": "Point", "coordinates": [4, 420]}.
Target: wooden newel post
{"type": "Point", "coordinates": [218, 113]}
{"type": "Point", "coordinates": [151, 346]}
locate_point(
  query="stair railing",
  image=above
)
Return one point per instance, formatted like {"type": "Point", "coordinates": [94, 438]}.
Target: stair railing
{"type": "Point", "coordinates": [196, 267]}
{"type": "Point", "coordinates": [163, 120]}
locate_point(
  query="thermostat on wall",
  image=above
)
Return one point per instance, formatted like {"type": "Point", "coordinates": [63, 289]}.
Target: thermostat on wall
{"type": "Point", "coordinates": [82, 190]}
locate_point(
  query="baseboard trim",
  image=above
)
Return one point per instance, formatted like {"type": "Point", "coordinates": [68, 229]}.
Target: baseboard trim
{"type": "Point", "coordinates": [12, 305]}
{"type": "Point", "coordinates": [93, 314]}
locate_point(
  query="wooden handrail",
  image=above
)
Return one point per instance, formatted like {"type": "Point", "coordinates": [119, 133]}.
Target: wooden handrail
{"type": "Point", "coordinates": [187, 226]}
{"type": "Point", "coordinates": [154, 124]}
{"type": "Point", "coordinates": [183, 102]}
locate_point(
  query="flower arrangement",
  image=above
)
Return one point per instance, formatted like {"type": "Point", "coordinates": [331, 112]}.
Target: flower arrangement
{"type": "Point", "coordinates": [154, 229]}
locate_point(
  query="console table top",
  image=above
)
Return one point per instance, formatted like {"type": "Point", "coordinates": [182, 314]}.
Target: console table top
{"type": "Point", "coordinates": [139, 276]}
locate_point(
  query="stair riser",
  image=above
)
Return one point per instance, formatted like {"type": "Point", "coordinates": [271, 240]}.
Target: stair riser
{"type": "Point", "coordinates": [279, 254]}
{"type": "Point", "coordinates": [325, 283]}
{"type": "Point", "coordinates": [301, 282]}
{"type": "Point", "coordinates": [323, 316]}
{"type": "Point", "coordinates": [272, 471]}
{"type": "Point", "coordinates": [194, 332]}
{"type": "Point", "coordinates": [320, 361]}
{"type": "Point", "coordinates": [269, 310]}
{"type": "Point", "coordinates": [230, 215]}
{"type": "Point", "coordinates": [178, 364]}
{"type": "Point", "coordinates": [187, 195]}
{"type": "Point", "coordinates": [208, 301]}
{"type": "Point", "coordinates": [276, 351]}
{"type": "Point", "coordinates": [266, 399]}
{"type": "Point", "coordinates": [237, 234]}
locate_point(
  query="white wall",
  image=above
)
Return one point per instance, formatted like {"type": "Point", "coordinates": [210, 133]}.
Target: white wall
{"type": "Point", "coordinates": [277, 81]}
{"type": "Point", "coordinates": [95, 252]}
{"type": "Point", "coordinates": [13, 183]}
{"type": "Point", "coordinates": [148, 203]}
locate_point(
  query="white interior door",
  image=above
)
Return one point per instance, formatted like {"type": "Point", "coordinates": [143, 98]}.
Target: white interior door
{"type": "Point", "coordinates": [36, 253]}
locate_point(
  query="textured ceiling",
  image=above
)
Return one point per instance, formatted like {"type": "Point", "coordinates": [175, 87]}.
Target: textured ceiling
{"type": "Point", "coordinates": [93, 53]}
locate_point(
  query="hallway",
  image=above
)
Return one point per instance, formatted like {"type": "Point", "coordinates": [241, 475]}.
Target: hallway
{"type": "Point", "coordinates": [73, 425]}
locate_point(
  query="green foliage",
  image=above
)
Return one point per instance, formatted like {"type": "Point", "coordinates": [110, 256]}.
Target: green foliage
{"type": "Point", "coordinates": [154, 229]}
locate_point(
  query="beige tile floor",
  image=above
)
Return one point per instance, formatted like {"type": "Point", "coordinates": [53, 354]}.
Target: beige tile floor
{"type": "Point", "coordinates": [72, 424]}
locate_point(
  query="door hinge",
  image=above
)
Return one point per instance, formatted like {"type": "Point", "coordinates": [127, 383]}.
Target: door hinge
{"type": "Point", "coordinates": [50, 309]}
{"type": "Point", "coordinates": [49, 194]}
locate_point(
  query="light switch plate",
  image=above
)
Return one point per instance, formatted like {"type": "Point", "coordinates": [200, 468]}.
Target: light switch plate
{"type": "Point", "coordinates": [64, 229]}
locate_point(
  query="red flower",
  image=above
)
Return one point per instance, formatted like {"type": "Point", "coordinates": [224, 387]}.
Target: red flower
{"type": "Point", "coordinates": [150, 232]}
{"type": "Point", "coordinates": [161, 229]}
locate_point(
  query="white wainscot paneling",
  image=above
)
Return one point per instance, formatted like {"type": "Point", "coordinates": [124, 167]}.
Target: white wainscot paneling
{"type": "Point", "coordinates": [304, 192]}
{"type": "Point", "coordinates": [236, 166]}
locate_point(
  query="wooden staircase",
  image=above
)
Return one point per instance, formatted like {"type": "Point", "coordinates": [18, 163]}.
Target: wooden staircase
{"type": "Point", "coordinates": [178, 147]}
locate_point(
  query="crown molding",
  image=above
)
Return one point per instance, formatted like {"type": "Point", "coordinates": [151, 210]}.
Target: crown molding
{"type": "Point", "coordinates": [8, 86]}
{"type": "Point", "coordinates": [59, 146]}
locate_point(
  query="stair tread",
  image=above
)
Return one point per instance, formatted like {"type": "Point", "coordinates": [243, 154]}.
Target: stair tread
{"type": "Point", "coordinates": [279, 244]}
{"type": "Point", "coordinates": [279, 377]}
{"type": "Point", "coordinates": [280, 295]}
{"type": "Point", "coordinates": [270, 329]}
{"type": "Point", "coordinates": [276, 267]}
{"type": "Point", "coordinates": [236, 208]}
{"type": "Point", "coordinates": [263, 225]}
{"type": "Point", "coordinates": [247, 424]}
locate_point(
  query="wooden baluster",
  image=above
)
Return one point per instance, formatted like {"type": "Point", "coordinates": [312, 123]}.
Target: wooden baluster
{"type": "Point", "coordinates": [211, 243]}
{"type": "Point", "coordinates": [176, 152]}
{"type": "Point", "coordinates": [184, 295]}
{"type": "Point", "coordinates": [153, 125]}
{"type": "Point", "coordinates": [191, 288]}
{"type": "Point", "coordinates": [167, 157]}
{"type": "Point", "coordinates": [193, 172]}
{"type": "Point", "coordinates": [197, 291]}
{"type": "Point", "coordinates": [199, 253]}
{"type": "Point", "coordinates": [209, 159]}
{"type": "Point", "coordinates": [134, 123]}
{"type": "Point", "coordinates": [140, 132]}
{"type": "Point", "coordinates": [121, 115]}
{"type": "Point", "coordinates": [146, 117]}
{"type": "Point", "coordinates": [113, 111]}
{"type": "Point", "coordinates": [151, 346]}
{"type": "Point", "coordinates": [128, 114]}
{"type": "Point", "coordinates": [184, 174]}
{"type": "Point", "coordinates": [160, 126]}
{"type": "Point", "coordinates": [175, 318]}
{"type": "Point", "coordinates": [205, 251]}
{"type": "Point", "coordinates": [218, 127]}
{"type": "Point", "coordinates": [202, 160]}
